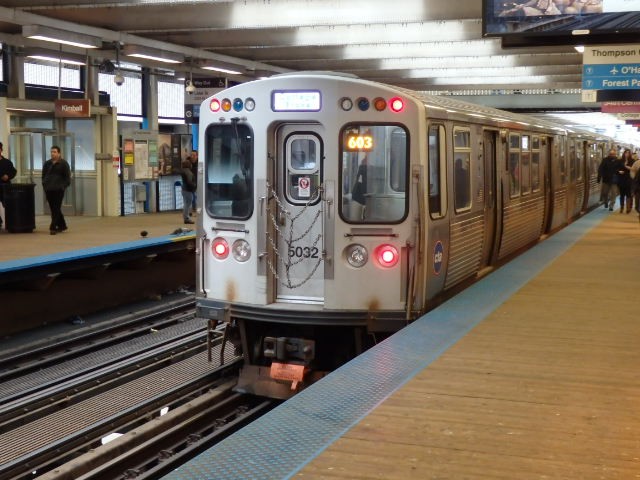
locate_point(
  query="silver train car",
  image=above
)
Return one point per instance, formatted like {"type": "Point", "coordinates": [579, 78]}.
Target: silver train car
{"type": "Point", "coordinates": [333, 211]}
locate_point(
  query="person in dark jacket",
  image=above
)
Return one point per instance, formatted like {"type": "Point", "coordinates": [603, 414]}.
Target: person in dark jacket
{"type": "Point", "coordinates": [624, 181]}
{"type": "Point", "coordinates": [607, 174]}
{"type": "Point", "coordinates": [188, 189]}
{"type": "Point", "coordinates": [7, 173]}
{"type": "Point", "coordinates": [56, 177]}
{"type": "Point", "coordinates": [194, 169]}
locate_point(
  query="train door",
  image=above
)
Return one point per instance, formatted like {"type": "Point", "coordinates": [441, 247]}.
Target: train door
{"type": "Point", "coordinates": [572, 177]}
{"type": "Point", "coordinates": [489, 156]}
{"type": "Point", "coordinates": [437, 241]}
{"type": "Point", "coordinates": [546, 152]}
{"type": "Point", "coordinates": [296, 215]}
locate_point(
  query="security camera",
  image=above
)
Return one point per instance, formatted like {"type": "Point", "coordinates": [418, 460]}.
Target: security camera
{"type": "Point", "coordinates": [118, 79]}
{"type": "Point", "coordinates": [190, 88]}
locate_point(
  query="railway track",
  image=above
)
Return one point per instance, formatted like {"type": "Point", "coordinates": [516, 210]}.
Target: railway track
{"type": "Point", "coordinates": [53, 419]}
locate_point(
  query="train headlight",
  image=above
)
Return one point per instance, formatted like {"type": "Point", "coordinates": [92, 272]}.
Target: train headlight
{"type": "Point", "coordinates": [220, 248]}
{"type": "Point", "coordinates": [214, 105]}
{"type": "Point", "coordinates": [356, 255]}
{"type": "Point", "coordinates": [387, 255]}
{"type": "Point", "coordinates": [241, 250]}
{"type": "Point", "coordinates": [249, 104]}
{"type": "Point", "coordinates": [346, 104]}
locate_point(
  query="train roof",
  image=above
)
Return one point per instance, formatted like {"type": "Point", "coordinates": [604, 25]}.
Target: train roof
{"type": "Point", "coordinates": [448, 107]}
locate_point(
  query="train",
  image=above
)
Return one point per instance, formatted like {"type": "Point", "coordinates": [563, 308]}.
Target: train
{"type": "Point", "coordinates": [335, 210]}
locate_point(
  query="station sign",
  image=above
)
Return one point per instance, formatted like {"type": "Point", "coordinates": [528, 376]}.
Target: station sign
{"type": "Point", "coordinates": [628, 116]}
{"type": "Point", "coordinates": [621, 76]}
{"type": "Point", "coordinates": [68, 108]}
{"type": "Point", "coordinates": [204, 88]}
{"type": "Point", "coordinates": [610, 67]}
{"type": "Point", "coordinates": [620, 107]}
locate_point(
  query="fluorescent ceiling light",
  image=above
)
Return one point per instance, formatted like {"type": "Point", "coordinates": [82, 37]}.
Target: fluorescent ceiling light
{"type": "Point", "coordinates": [152, 54]}
{"type": "Point", "coordinates": [49, 34]}
{"type": "Point", "coordinates": [17, 109]}
{"type": "Point", "coordinates": [223, 70]}
{"type": "Point", "coordinates": [57, 60]}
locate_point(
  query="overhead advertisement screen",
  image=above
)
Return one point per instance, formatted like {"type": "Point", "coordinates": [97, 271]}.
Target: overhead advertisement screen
{"type": "Point", "coordinates": [559, 21]}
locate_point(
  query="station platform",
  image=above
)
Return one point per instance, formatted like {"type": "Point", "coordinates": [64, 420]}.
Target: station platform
{"type": "Point", "coordinates": [99, 262]}
{"type": "Point", "coordinates": [532, 372]}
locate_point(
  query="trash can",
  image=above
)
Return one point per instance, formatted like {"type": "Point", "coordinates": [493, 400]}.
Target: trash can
{"type": "Point", "coordinates": [19, 207]}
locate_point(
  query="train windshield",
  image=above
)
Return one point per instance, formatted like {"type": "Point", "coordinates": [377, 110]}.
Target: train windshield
{"type": "Point", "coordinates": [374, 173]}
{"type": "Point", "coordinates": [229, 171]}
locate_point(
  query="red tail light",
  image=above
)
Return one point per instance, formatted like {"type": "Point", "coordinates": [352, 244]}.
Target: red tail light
{"type": "Point", "coordinates": [220, 248]}
{"type": "Point", "coordinates": [387, 255]}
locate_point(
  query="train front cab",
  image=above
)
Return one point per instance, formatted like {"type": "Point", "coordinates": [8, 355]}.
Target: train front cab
{"type": "Point", "coordinates": [327, 225]}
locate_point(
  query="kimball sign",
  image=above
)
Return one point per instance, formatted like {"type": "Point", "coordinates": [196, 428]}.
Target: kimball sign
{"type": "Point", "coordinates": [72, 108]}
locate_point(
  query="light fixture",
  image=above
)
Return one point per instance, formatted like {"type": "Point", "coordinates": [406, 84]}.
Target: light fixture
{"type": "Point", "coordinates": [579, 48]}
{"type": "Point", "coordinates": [57, 57]}
{"type": "Point", "coordinates": [229, 70]}
{"type": "Point", "coordinates": [38, 32]}
{"type": "Point", "coordinates": [54, 59]}
{"type": "Point", "coordinates": [152, 54]}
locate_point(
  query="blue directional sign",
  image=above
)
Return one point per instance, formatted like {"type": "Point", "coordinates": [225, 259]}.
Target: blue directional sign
{"type": "Point", "coordinates": [622, 76]}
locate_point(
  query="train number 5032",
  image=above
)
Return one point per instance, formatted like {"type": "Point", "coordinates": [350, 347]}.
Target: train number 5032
{"type": "Point", "coordinates": [303, 252]}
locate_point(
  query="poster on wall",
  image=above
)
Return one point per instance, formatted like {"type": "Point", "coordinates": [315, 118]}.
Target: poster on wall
{"type": "Point", "coordinates": [142, 159]}
{"type": "Point", "coordinates": [153, 153]}
{"type": "Point", "coordinates": [164, 154]}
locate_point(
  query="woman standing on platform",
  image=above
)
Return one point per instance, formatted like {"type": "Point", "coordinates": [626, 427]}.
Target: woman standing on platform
{"type": "Point", "coordinates": [56, 177]}
{"type": "Point", "coordinates": [624, 180]}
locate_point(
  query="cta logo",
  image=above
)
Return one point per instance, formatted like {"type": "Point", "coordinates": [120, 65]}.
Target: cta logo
{"type": "Point", "coordinates": [438, 257]}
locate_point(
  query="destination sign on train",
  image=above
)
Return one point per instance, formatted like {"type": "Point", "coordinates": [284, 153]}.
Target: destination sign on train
{"type": "Point", "coordinates": [296, 101]}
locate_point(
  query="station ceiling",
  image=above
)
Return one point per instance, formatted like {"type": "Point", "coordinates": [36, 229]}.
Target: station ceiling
{"type": "Point", "coordinates": [426, 45]}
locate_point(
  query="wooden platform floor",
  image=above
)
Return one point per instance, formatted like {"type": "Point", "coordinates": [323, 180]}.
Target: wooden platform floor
{"type": "Point", "coordinates": [85, 232]}
{"type": "Point", "coordinates": [546, 387]}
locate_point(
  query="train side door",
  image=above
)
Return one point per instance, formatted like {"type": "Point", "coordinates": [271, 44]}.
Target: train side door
{"type": "Point", "coordinates": [489, 156]}
{"type": "Point", "coordinates": [296, 215]}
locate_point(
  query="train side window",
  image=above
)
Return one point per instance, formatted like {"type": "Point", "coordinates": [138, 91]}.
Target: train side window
{"type": "Point", "coordinates": [436, 174]}
{"type": "Point", "coordinates": [374, 172]}
{"type": "Point", "coordinates": [535, 164]}
{"type": "Point", "coordinates": [461, 169]}
{"type": "Point", "coordinates": [229, 171]}
{"type": "Point", "coordinates": [514, 165]}
{"type": "Point", "coordinates": [525, 171]}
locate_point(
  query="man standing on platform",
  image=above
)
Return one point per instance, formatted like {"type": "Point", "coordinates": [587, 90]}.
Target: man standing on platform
{"type": "Point", "coordinates": [7, 173]}
{"type": "Point", "coordinates": [607, 173]}
{"type": "Point", "coordinates": [56, 177]}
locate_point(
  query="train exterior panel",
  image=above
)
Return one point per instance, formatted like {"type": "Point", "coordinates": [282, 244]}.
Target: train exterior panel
{"type": "Point", "coordinates": [335, 210]}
